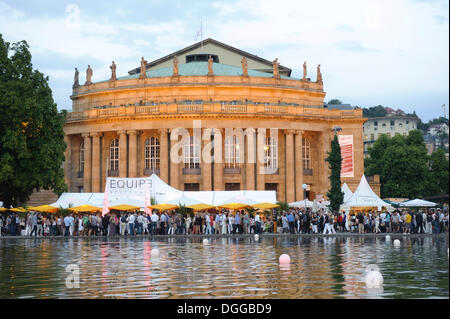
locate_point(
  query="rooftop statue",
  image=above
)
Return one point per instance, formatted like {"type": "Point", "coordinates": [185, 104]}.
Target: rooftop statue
{"type": "Point", "coordinates": [175, 66]}
{"type": "Point", "coordinates": [89, 73]}
{"type": "Point", "coordinates": [276, 72]}
{"type": "Point", "coordinates": [76, 82]}
{"type": "Point", "coordinates": [113, 71]}
{"type": "Point", "coordinates": [319, 75]}
{"type": "Point", "coordinates": [304, 71]}
{"type": "Point", "coordinates": [244, 66]}
{"type": "Point", "coordinates": [210, 66]}
{"type": "Point", "coordinates": [143, 68]}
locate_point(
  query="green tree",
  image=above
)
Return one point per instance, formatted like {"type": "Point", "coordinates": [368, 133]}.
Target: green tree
{"type": "Point", "coordinates": [334, 159]}
{"type": "Point", "coordinates": [401, 163]}
{"type": "Point", "coordinates": [334, 101]}
{"type": "Point", "coordinates": [375, 111]}
{"type": "Point", "coordinates": [32, 137]}
{"type": "Point", "coordinates": [439, 173]}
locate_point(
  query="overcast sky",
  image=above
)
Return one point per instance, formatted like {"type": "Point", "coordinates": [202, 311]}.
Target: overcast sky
{"type": "Point", "coordinates": [389, 52]}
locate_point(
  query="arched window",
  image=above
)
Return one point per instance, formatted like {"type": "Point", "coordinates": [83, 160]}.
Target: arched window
{"type": "Point", "coordinates": [306, 154]}
{"type": "Point", "coordinates": [81, 160]}
{"type": "Point", "coordinates": [114, 155]}
{"type": "Point", "coordinates": [191, 152]}
{"type": "Point", "coordinates": [232, 152]}
{"type": "Point", "coordinates": [152, 157]}
{"type": "Point", "coordinates": [271, 153]}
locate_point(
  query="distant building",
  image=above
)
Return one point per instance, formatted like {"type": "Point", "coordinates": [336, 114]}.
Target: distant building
{"type": "Point", "coordinates": [436, 128]}
{"type": "Point", "coordinates": [394, 123]}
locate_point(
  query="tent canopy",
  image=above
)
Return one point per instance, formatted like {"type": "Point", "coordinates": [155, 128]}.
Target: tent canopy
{"type": "Point", "coordinates": [234, 206]}
{"type": "Point", "coordinates": [124, 207]}
{"type": "Point", "coordinates": [364, 196]}
{"type": "Point", "coordinates": [417, 203]}
{"type": "Point", "coordinates": [85, 209]}
{"type": "Point", "coordinates": [184, 200]}
{"type": "Point", "coordinates": [163, 207]}
{"type": "Point", "coordinates": [44, 209]}
{"type": "Point", "coordinates": [302, 203]}
{"type": "Point", "coordinates": [200, 207]}
{"type": "Point", "coordinates": [347, 192]}
{"type": "Point", "coordinates": [266, 206]}
{"type": "Point", "coordinates": [242, 200]}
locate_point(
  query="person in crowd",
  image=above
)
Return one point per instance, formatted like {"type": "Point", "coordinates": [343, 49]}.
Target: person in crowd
{"type": "Point", "coordinates": [360, 222]}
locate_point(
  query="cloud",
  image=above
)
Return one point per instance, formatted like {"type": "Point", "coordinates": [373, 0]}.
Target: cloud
{"type": "Point", "coordinates": [354, 46]}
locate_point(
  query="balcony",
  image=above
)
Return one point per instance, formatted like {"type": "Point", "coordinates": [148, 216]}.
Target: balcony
{"type": "Point", "coordinates": [150, 171]}
{"type": "Point", "coordinates": [113, 173]}
{"type": "Point", "coordinates": [231, 170]}
{"type": "Point", "coordinates": [192, 171]}
{"type": "Point", "coordinates": [308, 172]}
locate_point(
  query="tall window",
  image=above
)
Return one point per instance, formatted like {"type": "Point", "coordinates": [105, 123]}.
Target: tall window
{"type": "Point", "coordinates": [81, 161]}
{"type": "Point", "coordinates": [152, 157]}
{"type": "Point", "coordinates": [306, 154]}
{"type": "Point", "coordinates": [114, 155]}
{"type": "Point", "coordinates": [232, 152]}
{"type": "Point", "coordinates": [191, 152]}
{"type": "Point", "coordinates": [271, 153]}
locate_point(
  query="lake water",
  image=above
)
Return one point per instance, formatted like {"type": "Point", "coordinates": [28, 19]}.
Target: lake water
{"type": "Point", "coordinates": [321, 267]}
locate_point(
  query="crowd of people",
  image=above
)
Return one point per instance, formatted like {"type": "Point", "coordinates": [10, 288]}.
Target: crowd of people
{"type": "Point", "coordinates": [294, 221]}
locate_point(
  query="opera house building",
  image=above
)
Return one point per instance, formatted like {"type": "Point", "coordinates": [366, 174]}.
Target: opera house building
{"type": "Point", "coordinates": [264, 129]}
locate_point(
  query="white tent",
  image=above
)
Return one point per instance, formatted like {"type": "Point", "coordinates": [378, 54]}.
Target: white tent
{"type": "Point", "coordinates": [302, 203]}
{"type": "Point", "coordinates": [239, 199]}
{"type": "Point", "coordinates": [183, 200]}
{"type": "Point", "coordinates": [163, 193]}
{"type": "Point", "coordinates": [364, 196]}
{"type": "Point", "coordinates": [417, 203]}
{"type": "Point", "coordinates": [347, 192]}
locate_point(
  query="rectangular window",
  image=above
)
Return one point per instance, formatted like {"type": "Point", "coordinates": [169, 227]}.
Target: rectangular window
{"type": "Point", "coordinates": [232, 186]}
{"type": "Point", "coordinates": [192, 187]}
{"type": "Point", "coordinates": [372, 137]}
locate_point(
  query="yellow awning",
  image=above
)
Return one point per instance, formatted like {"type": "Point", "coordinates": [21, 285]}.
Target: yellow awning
{"type": "Point", "coordinates": [265, 206]}
{"type": "Point", "coordinates": [85, 209]}
{"type": "Point", "coordinates": [200, 207]}
{"type": "Point", "coordinates": [124, 208]}
{"type": "Point", "coordinates": [234, 206]}
{"type": "Point", "coordinates": [162, 207]}
{"type": "Point", "coordinates": [44, 209]}
{"type": "Point", "coordinates": [18, 210]}
{"type": "Point", "coordinates": [3, 209]}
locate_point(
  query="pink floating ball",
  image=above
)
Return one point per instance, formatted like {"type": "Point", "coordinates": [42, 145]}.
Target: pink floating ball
{"type": "Point", "coordinates": [285, 259]}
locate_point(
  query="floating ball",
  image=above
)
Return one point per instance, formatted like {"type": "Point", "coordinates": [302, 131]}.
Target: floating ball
{"type": "Point", "coordinates": [397, 243]}
{"type": "Point", "coordinates": [205, 241]}
{"type": "Point", "coordinates": [374, 279]}
{"type": "Point", "coordinates": [284, 259]}
{"type": "Point", "coordinates": [388, 238]}
{"type": "Point", "coordinates": [154, 253]}
{"type": "Point", "coordinates": [256, 237]}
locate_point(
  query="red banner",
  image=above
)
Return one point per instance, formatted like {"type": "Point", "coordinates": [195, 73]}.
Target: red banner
{"type": "Point", "coordinates": [347, 166]}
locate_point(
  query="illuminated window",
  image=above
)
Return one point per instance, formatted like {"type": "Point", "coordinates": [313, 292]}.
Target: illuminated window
{"type": "Point", "coordinates": [232, 152]}
{"type": "Point", "coordinates": [114, 155]}
{"type": "Point", "coordinates": [152, 150]}
{"type": "Point", "coordinates": [307, 154]}
{"type": "Point", "coordinates": [271, 153]}
{"type": "Point", "coordinates": [191, 152]}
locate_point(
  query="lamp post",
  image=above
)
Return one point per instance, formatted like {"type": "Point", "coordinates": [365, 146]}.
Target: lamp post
{"type": "Point", "coordinates": [304, 186]}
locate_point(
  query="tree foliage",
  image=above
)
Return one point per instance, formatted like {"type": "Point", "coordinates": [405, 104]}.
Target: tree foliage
{"type": "Point", "coordinates": [439, 172]}
{"type": "Point", "coordinates": [405, 168]}
{"type": "Point", "coordinates": [32, 137]}
{"type": "Point", "coordinates": [334, 101]}
{"type": "Point", "coordinates": [334, 159]}
{"type": "Point", "coordinates": [374, 111]}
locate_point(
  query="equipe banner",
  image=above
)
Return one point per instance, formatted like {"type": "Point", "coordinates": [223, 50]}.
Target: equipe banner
{"type": "Point", "coordinates": [129, 186]}
{"type": "Point", "coordinates": [347, 166]}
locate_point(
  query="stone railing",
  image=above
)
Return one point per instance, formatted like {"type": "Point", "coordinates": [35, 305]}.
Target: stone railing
{"type": "Point", "coordinates": [215, 108]}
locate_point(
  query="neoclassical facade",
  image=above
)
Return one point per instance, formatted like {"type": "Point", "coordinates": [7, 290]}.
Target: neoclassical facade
{"type": "Point", "coordinates": [130, 126]}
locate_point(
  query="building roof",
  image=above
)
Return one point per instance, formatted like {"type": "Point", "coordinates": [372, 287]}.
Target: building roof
{"type": "Point", "coordinates": [201, 69]}
{"type": "Point", "coordinates": [339, 107]}
{"type": "Point", "coordinates": [209, 40]}
{"type": "Point", "coordinates": [394, 117]}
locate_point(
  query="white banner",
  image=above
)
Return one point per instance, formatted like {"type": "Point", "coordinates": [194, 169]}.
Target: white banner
{"type": "Point", "coordinates": [347, 166]}
{"type": "Point", "coordinates": [129, 186]}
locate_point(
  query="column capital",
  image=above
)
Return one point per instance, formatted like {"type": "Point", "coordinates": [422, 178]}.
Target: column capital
{"type": "Point", "coordinates": [299, 132]}
{"type": "Point", "coordinates": [96, 134]}
{"type": "Point", "coordinates": [122, 132]}
{"type": "Point", "coordinates": [163, 132]}
{"type": "Point", "coordinates": [290, 132]}
{"type": "Point", "coordinates": [132, 132]}
{"type": "Point", "coordinates": [84, 135]}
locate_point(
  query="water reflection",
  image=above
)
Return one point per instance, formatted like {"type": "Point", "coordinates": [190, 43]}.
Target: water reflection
{"type": "Point", "coordinates": [321, 267]}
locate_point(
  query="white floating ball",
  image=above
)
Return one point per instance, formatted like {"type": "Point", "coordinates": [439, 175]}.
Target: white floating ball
{"type": "Point", "coordinates": [154, 253]}
{"type": "Point", "coordinates": [205, 241]}
{"type": "Point", "coordinates": [396, 243]}
{"type": "Point", "coordinates": [256, 237]}
{"type": "Point", "coordinates": [388, 238]}
{"type": "Point", "coordinates": [284, 259]}
{"type": "Point", "coordinates": [374, 279]}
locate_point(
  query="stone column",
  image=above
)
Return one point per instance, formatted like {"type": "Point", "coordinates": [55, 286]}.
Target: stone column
{"type": "Point", "coordinates": [164, 156]}
{"type": "Point", "coordinates": [87, 163]}
{"type": "Point", "coordinates": [205, 166]}
{"type": "Point", "coordinates": [325, 172]}
{"type": "Point", "coordinates": [68, 162]}
{"type": "Point", "coordinates": [122, 153]}
{"type": "Point", "coordinates": [218, 167]}
{"type": "Point", "coordinates": [175, 168]}
{"type": "Point", "coordinates": [299, 193]}
{"type": "Point", "coordinates": [95, 162]}
{"type": "Point", "coordinates": [132, 153]}
{"type": "Point", "coordinates": [290, 173]}
{"type": "Point", "coordinates": [260, 168]}
{"type": "Point", "coordinates": [250, 160]}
